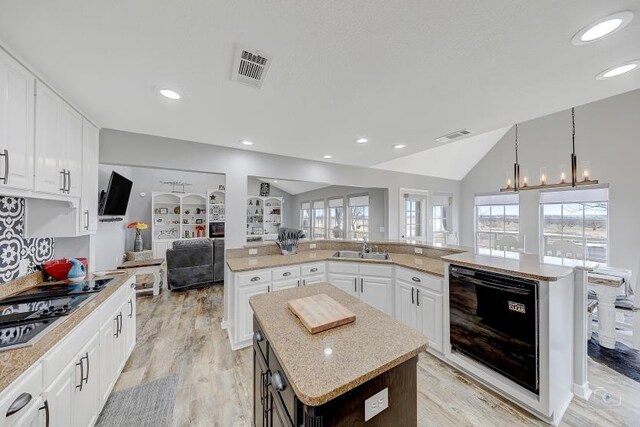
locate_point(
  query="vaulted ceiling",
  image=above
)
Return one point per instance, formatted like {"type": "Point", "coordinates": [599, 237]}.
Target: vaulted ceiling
{"type": "Point", "coordinates": [395, 72]}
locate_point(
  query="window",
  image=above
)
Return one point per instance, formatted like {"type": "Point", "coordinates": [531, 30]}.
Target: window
{"type": "Point", "coordinates": [305, 218]}
{"type": "Point", "coordinates": [358, 217]}
{"type": "Point", "coordinates": [575, 225]}
{"type": "Point", "coordinates": [497, 225]}
{"type": "Point", "coordinates": [336, 218]}
{"type": "Point", "coordinates": [319, 224]}
{"type": "Point", "coordinates": [439, 224]}
{"type": "Point", "coordinates": [412, 218]}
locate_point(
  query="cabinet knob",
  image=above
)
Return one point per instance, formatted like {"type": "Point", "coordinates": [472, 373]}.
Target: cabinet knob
{"type": "Point", "coordinates": [255, 279]}
{"type": "Point", "coordinates": [286, 273]}
{"type": "Point", "coordinates": [314, 269]}
{"type": "Point", "coordinates": [416, 279]}
{"type": "Point", "coordinates": [278, 381]}
{"type": "Point", "coordinates": [258, 336]}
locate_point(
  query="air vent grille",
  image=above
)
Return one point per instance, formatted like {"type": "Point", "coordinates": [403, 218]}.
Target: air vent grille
{"type": "Point", "coordinates": [454, 135]}
{"type": "Point", "coordinates": [250, 66]}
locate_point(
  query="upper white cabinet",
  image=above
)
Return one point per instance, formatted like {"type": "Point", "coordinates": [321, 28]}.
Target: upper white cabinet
{"type": "Point", "coordinates": [89, 198]}
{"type": "Point", "coordinates": [17, 87]}
{"type": "Point", "coordinates": [58, 147]}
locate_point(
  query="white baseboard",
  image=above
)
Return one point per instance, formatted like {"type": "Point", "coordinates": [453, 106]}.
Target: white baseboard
{"type": "Point", "coordinates": [582, 391]}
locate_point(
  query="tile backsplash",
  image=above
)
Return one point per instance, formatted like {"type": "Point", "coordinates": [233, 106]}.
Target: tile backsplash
{"type": "Point", "coordinates": [14, 248]}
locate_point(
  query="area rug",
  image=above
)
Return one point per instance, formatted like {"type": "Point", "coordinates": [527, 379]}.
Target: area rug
{"type": "Point", "coordinates": [149, 404]}
{"type": "Point", "coordinates": [622, 359]}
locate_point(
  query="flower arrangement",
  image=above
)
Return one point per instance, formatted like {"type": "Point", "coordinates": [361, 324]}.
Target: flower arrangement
{"type": "Point", "coordinates": [137, 243]}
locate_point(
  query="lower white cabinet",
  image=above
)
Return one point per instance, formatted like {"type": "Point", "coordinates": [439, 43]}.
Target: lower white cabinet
{"type": "Point", "coordinates": [419, 304]}
{"type": "Point", "coordinates": [373, 284]}
{"type": "Point", "coordinates": [70, 384]}
{"type": "Point", "coordinates": [244, 314]}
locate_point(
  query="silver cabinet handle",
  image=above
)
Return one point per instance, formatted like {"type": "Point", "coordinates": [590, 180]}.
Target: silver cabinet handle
{"type": "Point", "coordinates": [117, 326]}
{"type": "Point", "coordinates": [298, 282]}
{"type": "Point", "coordinates": [304, 282]}
{"type": "Point", "coordinates": [45, 406]}
{"type": "Point", "coordinates": [286, 274]}
{"type": "Point", "coordinates": [355, 284]}
{"type": "Point", "coordinates": [64, 181]}
{"type": "Point", "coordinates": [5, 154]}
{"type": "Point", "coordinates": [20, 402]}
{"type": "Point", "coordinates": [417, 296]}
{"type": "Point", "coordinates": [130, 308]}
{"type": "Point", "coordinates": [86, 223]}
{"type": "Point", "coordinates": [255, 279]}
{"type": "Point", "coordinates": [416, 279]}
{"type": "Point", "coordinates": [314, 269]}
{"type": "Point", "coordinates": [412, 300]}
{"type": "Point", "coordinates": [278, 381]}
{"type": "Point", "coordinates": [81, 364]}
{"type": "Point", "coordinates": [69, 182]}
{"type": "Point", "coordinates": [361, 285]}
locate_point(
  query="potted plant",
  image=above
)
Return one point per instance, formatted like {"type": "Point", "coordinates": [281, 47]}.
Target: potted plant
{"type": "Point", "coordinates": [137, 243]}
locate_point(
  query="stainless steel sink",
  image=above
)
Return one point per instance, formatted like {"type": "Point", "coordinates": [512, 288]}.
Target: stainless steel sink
{"type": "Point", "coordinates": [347, 254]}
{"type": "Point", "coordinates": [375, 255]}
{"type": "Point", "coordinates": [361, 255]}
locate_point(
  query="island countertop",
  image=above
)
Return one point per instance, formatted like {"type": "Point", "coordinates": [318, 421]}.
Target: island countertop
{"type": "Point", "coordinates": [525, 265]}
{"type": "Point", "coordinates": [323, 366]}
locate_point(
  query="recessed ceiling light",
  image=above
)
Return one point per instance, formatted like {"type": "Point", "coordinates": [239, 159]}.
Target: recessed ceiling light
{"type": "Point", "coordinates": [171, 94]}
{"type": "Point", "coordinates": [362, 140]}
{"type": "Point", "coordinates": [603, 27]}
{"type": "Point", "coordinates": [246, 142]}
{"type": "Point", "coordinates": [327, 156]}
{"type": "Point", "coordinates": [399, 146]}
{"type": "Point", "coordinates": [275, 181]}
{"type": "Point", "coordinates": [618, 70]}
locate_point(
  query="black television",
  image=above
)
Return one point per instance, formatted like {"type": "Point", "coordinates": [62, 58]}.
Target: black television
{"type": "Point", "coordinates": [115, 200]}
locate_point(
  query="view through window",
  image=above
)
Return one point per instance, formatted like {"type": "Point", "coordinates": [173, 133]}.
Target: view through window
{"type": "Point", "coordinates": [358, 217]}
{"type": "Point", "coordinates": [497, 225]}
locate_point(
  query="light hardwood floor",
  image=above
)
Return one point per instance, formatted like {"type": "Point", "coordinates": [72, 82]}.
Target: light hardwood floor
{"type": "Point", "coordinates": [179, 334]}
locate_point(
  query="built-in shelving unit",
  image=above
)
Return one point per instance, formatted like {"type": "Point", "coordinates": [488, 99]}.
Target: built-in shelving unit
{"type": "Point", "coordinates": [177, 216]}
{"type": "Point", "coordinates": [264, 218]}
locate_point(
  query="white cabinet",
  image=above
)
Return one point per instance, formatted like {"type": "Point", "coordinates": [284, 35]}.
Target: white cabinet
{"type": "Point", "coordinates": [108, 366]}
{"type": "Point", "coordinates": [312, 273]}
{"type": "Point", "coordinates": [419, 304]}
{"type": "Point", "coordinates": [17, 87]}
{"type": "Point", "coordinates": [130, 333]}
{"type": "Point", "coordinates": [244, 317]}
{"type": "Point", "coordinates": [86, 399]}
{"type": "Point", "coordinates": [33, 415]}
{"type": "Point", "coordinates": [371, 283]}
{"type": "Point", "coordinates": [24, 396]}
{"type": "Point", "coordinates": [89, 198]}
{"type": "Point", "coordinates": [286, 284]}
{"type": "Point", "coordinates": [60, 397]}
{"type": "Point", "coordinates": [71, 160]}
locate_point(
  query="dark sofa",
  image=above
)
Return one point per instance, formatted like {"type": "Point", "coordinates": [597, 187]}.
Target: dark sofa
{"type": "Point", "coordinates": [190, 264]}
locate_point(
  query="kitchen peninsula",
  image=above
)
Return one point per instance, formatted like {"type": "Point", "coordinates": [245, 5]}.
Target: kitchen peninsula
{"type": "Point", "coordinates": [362, 371]}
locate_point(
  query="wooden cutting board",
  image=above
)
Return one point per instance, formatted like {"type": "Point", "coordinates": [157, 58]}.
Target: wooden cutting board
{"type": "Point", "coordinates": [320, 312]}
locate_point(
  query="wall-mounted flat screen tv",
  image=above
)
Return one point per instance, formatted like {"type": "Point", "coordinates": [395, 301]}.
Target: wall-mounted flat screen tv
{"type": "Point", "coordinates": [115, 200]}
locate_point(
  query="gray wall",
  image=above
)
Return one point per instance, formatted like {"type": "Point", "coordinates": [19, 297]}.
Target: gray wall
{"type": "Point", "coordinates": [378, 205]}
{"type": "Point", "coordinates": [126, 148]}
{"type": "Point", "coordinates": [606, 135]}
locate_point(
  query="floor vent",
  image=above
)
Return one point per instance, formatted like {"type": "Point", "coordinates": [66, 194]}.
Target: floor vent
{"type": "Point", "coordinates": [454, 135]}
{"type": "Point", "coordinates": [250, 66]}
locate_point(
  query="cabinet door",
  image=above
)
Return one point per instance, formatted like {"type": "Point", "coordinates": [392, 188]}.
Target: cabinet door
{"type": "Point", "coordinates": [72, 139]}
{"type": "Point", "coordinates": [286, 284]}
{"type": "Point", "coordinates": [59, 397]}
{"type": "Point", "coordinates": [108, 366]}
{"type": "Point", "coordinates": [33, 416]}
{"type": "Point", "coordinates": [87, 397]}
{"type": "Point", "coordinates": [119, 344]}
{"type": "Point", "coordinates": [346, 282]}
{"type": "Point", "coordinates": [405, 303]}
{"type": "Point", "coordinates": [130, 323]}
{"type": "Point", "coordinates": [89, 197]}
{"type": "Point", "coordinates": [376, 291]}
{"type": "Point", "coordinates": [429, 316]}
{"type": "Point", "coordinates": [17, 86]}
{"type": "Point", "coordinates": [160, 249]}
{"type": "Point", "coordinates": [244, 330]}
{"type": "Point", "coordinates": [49, 147]}
{"type": "Point", "coordinates": [310, 280]}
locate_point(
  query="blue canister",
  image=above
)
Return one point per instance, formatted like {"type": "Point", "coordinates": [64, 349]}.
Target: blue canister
{"type": "Point", "coordinates": [77, 272]}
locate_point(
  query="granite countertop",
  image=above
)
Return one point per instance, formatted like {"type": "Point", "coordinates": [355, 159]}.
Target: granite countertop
{"type": "Point", "coordinates": [14, 362]}
{"type": "Point", "coordinates": [359, 351]}
{"type": "Point", "coordinates": [526, 265]}
{"type": "Point", "coordinates": [421, 263]}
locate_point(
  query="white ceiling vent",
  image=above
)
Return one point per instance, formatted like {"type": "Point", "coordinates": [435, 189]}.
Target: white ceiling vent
{"type": "Point", "coordinates": [454, 135]}
{"type": "Point", "coordinates": [250, 66]}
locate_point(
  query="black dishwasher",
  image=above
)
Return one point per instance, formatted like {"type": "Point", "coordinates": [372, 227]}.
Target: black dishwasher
{"type": "Point", "coordinates": [494, 321]}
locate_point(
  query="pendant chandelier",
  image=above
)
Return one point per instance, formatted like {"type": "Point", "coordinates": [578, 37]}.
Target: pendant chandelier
{"type": "Point", "coordinates": [585, 178]}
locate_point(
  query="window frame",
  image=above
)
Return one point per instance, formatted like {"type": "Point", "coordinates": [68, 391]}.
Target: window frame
{"type": "Point", "coordinates": [314, 226]}
{"type": "Point", "coordinates": [330, 208]}
{"type": "Point", "coordinates": [495, 200]}
{"type": "Point", "coordinates": [352, 234]}
{"type": "Point", "coordinates": [306, 230]}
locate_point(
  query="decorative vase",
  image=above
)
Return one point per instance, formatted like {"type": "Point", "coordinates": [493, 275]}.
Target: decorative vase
{"type": "Point", "coordinates": [137, 243]}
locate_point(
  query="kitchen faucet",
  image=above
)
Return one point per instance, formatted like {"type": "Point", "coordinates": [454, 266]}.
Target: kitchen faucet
{"type": "Point", "coordinates": [365, 246]}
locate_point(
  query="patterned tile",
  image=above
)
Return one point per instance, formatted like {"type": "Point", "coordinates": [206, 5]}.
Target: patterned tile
{"type": "Point", "coordinates": [13, 247]}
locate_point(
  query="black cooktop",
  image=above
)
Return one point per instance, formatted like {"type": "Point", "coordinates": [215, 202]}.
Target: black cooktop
{"type": "Point", "coordinates": [22, 322]}
{"type": "Point", "coordinates": [57, 290]}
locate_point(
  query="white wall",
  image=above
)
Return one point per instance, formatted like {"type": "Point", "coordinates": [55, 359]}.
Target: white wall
{"type": "Point", "coordinates": [126, 148]}
{"type": "Point", "coordinates": [607, 134]}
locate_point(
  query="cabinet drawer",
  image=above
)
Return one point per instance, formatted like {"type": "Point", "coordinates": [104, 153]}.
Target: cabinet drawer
{"type": "Point", "coordinates": [285, 273]}
{"type": "Point", "coordinates": [55, 360]}
{"type": "Point", "coordinates": [421, 279]}
{"type": "Point", "coordinates": [254, 277]}
{"type": "Point", "coordinates": [376, 270]}
{"type": "Point", "coordinates": [312, 269]}
{"type": "Point", "coordinates": [30, 383]}
{"type": "Point", "coordinates": [343, 267]}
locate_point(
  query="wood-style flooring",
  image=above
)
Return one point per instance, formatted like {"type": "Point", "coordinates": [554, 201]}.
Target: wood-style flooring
{"type": "Point", "coordinates": [180, 334]}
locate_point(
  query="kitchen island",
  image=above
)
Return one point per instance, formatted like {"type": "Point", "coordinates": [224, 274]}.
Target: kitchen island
{"type": "Point", "coordinates": [330, 377]}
